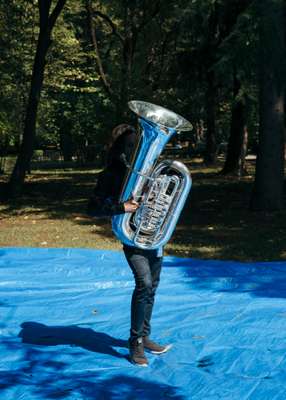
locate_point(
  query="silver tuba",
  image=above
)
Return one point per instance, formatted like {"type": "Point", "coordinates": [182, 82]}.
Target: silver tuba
{"type": "Point", "coordinates": [160, 189]}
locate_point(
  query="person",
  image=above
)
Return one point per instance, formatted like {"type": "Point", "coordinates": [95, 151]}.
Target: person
{"type": "Point", "coordinates": [145, 264]}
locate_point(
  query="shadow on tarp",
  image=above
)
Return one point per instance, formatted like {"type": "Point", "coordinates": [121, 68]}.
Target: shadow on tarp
{"type": "Point", "coordinates": [262, 279]}
{"type": "Point", "coordinates": [40, 334]}
{"type": "Point", "coordinates": [45, 378]}
{"type": "Point", "coordinates": [227, 343]}
{"type": "Point", "coordinates": [89, 386]}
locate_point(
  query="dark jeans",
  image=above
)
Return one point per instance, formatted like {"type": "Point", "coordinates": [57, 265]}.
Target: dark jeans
{"type": "Point", "coordinates": [146, 268]}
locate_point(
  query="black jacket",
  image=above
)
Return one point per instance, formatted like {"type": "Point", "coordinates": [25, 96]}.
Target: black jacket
{"type": "Point", "coordinates": [105, 199]}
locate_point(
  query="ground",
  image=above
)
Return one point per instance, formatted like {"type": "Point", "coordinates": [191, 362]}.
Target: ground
{"type": "Point", "coordinates": [216, 222]}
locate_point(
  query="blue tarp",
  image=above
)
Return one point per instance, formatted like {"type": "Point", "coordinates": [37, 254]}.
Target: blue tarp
{"type": "Point", "coordinates": [65, 321]}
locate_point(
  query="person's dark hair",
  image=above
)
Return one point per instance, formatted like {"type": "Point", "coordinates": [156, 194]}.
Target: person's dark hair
{"type": "Point", "coordinates": [122, 142]}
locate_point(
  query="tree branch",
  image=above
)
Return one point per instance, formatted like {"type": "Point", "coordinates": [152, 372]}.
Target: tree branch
{"type": "Point", "coordinates": [154, 12]}
{"type": "Point", "coordinates": [96, 49]}
{"type": "Point", "coordinates": [110, 23]}
{"type": "Point", "coordinates": [56, 12]}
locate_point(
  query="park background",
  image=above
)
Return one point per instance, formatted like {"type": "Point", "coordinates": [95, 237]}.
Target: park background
{"type": "Point", "coordinates": [68, 69]}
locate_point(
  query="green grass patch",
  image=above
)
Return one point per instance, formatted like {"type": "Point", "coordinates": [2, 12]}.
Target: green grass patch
{"type": "Point", "coordinates": [216, 222]}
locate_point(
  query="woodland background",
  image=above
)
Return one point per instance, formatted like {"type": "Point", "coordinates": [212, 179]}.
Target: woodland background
{"type": "Point", "coordinates": [69, 67]}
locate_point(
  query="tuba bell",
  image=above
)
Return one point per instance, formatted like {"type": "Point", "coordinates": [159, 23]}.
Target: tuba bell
{"type": "Point", "coordinates": [160, 188]}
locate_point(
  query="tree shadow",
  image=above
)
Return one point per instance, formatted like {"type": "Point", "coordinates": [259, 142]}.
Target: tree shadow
{"type": "Point", "coordinates": [130, 388]}
{"type": "Point", "coordinates": [39, 374]}
{"type": "Point", "coordinates": [86, 385]}
{"type": "Point", "coordinates": [216, 214]}
{"type": "Point", "coordinates": [216, 223]}
{"type": "Point", "coordinates": [58, 195]}
{"type": "Point", "coordinates": [256, 279]}
{"type": "Point", "coordinates": [40, 334]}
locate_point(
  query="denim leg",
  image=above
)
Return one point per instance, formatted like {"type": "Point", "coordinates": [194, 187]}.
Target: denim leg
{"type": "Point", "coordinates": [146, 268]}
{"type": "Point", "coordinates": [155, 267]}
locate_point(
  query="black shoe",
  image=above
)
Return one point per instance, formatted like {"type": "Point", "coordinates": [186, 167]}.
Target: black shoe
{"type": "Point", "coordinates": [136, 352]}
{"type": "Point", "coordinates": [153, 347]}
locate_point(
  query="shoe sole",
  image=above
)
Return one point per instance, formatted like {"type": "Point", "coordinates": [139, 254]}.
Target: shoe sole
{"type": "Point", "coordinates": [139, 365]}
{"type": "Point", "coordinates": [167, 348]}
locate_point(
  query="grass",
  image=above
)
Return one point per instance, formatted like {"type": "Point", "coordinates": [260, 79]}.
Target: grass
{"type": "Point", "coordinates": [215, 224]}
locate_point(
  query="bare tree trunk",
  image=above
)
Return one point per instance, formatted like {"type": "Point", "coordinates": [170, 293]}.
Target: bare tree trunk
{"type": "Point", "coordinates": [106, 84]}
{"type": "Point", "coordinates": [212, 41]}
{"type": "Point", "coordinates": [128, 49]}
{"type": "Point", "coordinates": [26, 150]}
{"type": "Point", "coordinates": [237, 143]}
{"type": "Point", "coordinates": [218, 30]}
{"type": "Point", "coordinates": [211, 142]}
{"type": "Point", "coordinates": [268, 187]}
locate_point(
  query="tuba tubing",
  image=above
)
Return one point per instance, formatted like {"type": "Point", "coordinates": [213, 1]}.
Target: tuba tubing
{"type": "Point", "coordinates": [161, 189]}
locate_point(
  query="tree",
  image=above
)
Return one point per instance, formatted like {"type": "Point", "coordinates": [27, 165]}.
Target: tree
{"type": "Point", "coordinates": [238, 138]}
{"type": "Point", "coordinates": [47, 21]}
{"type": "Point", "coordinates": [238, 65]}
{"type": "Point", "coordinates": [120, 29]}
{"type": "Point", "coordinates": [269, 177]}
{"type": "Point", "coordinates": [210, 52]}
{"type": "Point", "coordinates": [16, 46]}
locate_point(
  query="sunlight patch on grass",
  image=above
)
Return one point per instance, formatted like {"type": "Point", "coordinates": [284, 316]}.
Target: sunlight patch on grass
{"type": "Point", "coordinates": [208, 249]}
{"type": "Point", "coordinates": [283, 255]}
{"type": "Point", "coordinates": [30, 232]}
{"type": "Point", "coordinates": [216, 222]}
{"type": "Point", "coordinates": [64, 171]}
{"type": "Point", "coordinates": [194, 251]}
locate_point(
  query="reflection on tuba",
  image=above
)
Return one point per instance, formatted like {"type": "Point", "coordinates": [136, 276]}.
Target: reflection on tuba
{"type": "Point", "coordinates": [160, 189]}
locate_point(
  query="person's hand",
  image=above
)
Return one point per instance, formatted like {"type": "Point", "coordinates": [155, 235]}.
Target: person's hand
{"type": "Point", "coordinates": [130, 206]}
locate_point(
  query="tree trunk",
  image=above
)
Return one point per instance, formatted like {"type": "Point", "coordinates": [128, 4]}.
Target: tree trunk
{"type": "Point", "coordinates": [211, 44]}
{"type": "Point", "coordinates": [237, 143]}
{"type": "Point", "coordinates": [218, 30]}
{"type": "Point", "coordinates": [268, 187]}
{"type": "Point", "coordinates": [128, 49]}
{"type": "Point", "coordinates": [26, 149]}
{"type": "Point", "coordinates": [211, 143]}
{"type": "Point", "coordinates": [101, 71]}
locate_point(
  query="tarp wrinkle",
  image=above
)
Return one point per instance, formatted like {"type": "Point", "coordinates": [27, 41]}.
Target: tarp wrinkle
{"type": "Point", "coordinates": [65, 323]}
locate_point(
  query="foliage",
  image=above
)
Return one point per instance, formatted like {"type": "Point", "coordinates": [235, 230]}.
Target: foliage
{"type": "Point", "coordinates": [52, 214]}
{"type": "Point", "coordinates": [106, 52]}
{"type": "Point", "coordinates": [148, 50]}
{"type": "Point", "coordinates": [17, 24]}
